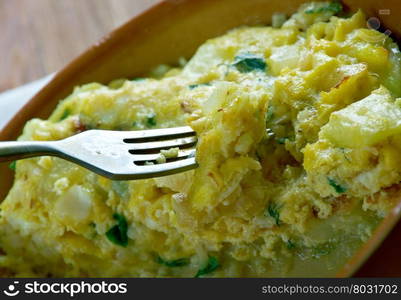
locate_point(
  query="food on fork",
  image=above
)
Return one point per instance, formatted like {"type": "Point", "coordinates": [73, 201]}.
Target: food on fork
{"type": "Point", "coordinates": [298, 151]}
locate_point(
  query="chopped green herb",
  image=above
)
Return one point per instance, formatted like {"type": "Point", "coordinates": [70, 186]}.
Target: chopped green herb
{"type": "Point", "coordinates": [13, 165]}
{"type": "Point", "coordinates": [248, 62]}
{"type": "Point", "coordinates": [332, 7]}
{"type": "Point", "coordinates": [192, 86]}
{"type": "Point", "coordinates": [65, 114]}
{"type": "Point", "coordinates": [151, 120]}
{"type": "Point", "coordinates": [322, 249]}
{"type": "Point", "coordinates": [270, 113]}
{"type": "Point", "coordinates": [173, 263]}
{"type": "Point", "coordinates": [273, 211]}
{"type": "Point", "coordinates": [281, 141]}
{"type": "Point", "coordinates": [211, 266]}
{"type": "Point", "coordinates": [118, 233]}
{"type": "Point", "coordinates": [290, 245]}
{"type": "Point", "coordinates": [337, 187]}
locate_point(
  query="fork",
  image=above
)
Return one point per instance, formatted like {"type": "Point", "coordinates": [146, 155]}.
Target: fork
{"type": "Point", "coordinates": [117, 155]}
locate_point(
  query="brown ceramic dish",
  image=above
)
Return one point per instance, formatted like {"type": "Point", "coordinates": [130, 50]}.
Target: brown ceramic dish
{"type": "Point", "coordinates": [172, 29]}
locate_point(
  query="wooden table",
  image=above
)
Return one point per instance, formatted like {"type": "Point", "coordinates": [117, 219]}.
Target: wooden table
{"type": "Point", "coordinates": [38, 37]}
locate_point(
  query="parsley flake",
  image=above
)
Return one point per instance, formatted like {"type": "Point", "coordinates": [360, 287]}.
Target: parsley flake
{"type": "Point", "coordinates": [246, 63]}
{"type": "Point", "coordinates": [173, 263]}
{"type": "Point", "coordinates": [118, 233]}
{"type": "Point", "coordinates": [211, 266]}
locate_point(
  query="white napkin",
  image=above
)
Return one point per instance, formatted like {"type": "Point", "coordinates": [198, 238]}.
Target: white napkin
{"type": "Point", "coordinates": [11, 101]}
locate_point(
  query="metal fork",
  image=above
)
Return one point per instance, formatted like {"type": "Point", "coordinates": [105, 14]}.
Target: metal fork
{"type": "Point", "coordinates": [118, 155]}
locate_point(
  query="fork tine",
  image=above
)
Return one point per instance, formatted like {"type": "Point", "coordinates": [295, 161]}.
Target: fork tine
{"type": "Point", "coordinates": [164, 144]}
{"type": "Point", "coordinates": [149, 157]}
{"type": "Point", "coordinates": [131, 136]}
{"type": "Point", "coordinates": [106, 153]}
{"type": "Point", "coordinates": [166, 168]}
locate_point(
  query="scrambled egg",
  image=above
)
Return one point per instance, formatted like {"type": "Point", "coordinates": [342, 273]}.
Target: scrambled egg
{"type": "Point", "coordinates": [299, 140]}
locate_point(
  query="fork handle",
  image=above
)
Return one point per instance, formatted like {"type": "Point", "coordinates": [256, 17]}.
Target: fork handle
{"type": "Point", "coordinates": [10, 151]}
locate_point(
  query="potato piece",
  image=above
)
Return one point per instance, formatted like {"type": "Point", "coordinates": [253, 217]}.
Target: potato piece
{"type": "Point", "coordinates": [365, 122]}
{"type": "Point", "coordinates": [75, 206]}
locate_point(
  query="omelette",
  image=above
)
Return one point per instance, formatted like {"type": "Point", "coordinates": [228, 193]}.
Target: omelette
{"type": "Point", "coordinates": [299, 142]}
